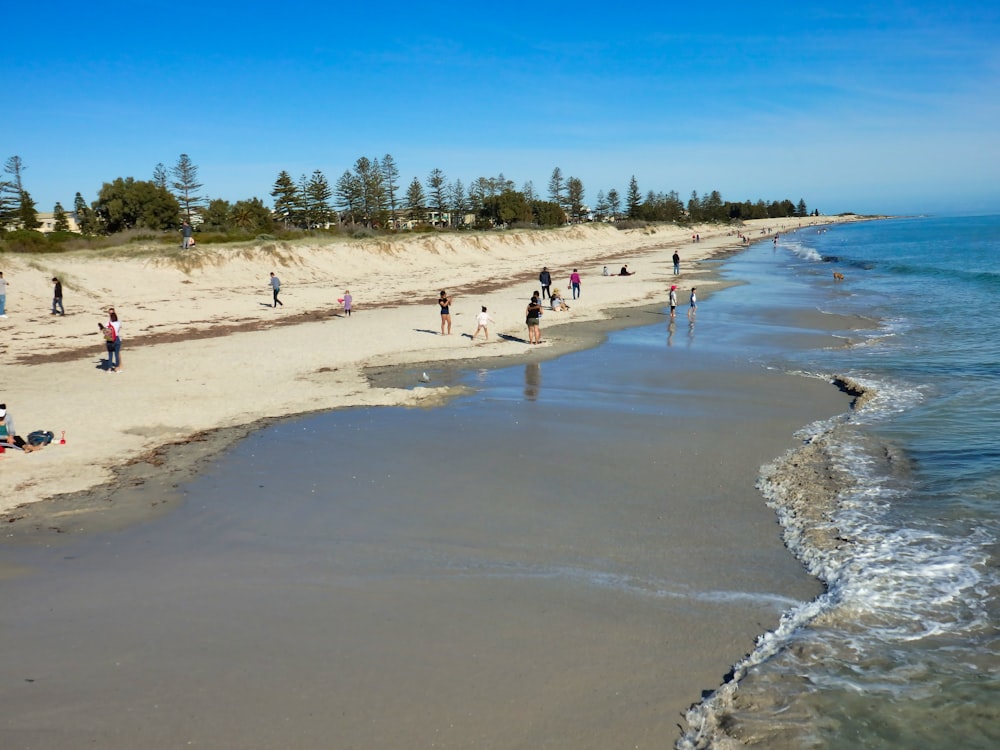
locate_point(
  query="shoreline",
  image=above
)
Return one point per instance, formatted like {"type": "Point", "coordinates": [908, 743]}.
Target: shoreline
{"type": "Point", "coordinates": [620, 571]}
{"type": "Point", "coordinates": [61, 395]}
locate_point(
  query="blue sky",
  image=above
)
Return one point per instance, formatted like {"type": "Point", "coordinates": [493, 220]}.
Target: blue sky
{"type": "Point", "coordinates": [889, 107]}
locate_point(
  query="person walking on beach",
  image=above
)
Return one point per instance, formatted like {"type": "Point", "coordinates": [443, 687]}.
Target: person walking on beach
{"type": "Point", "coordinates": [3, 296]}
{"type": "Point", "coordinates": [677, 263]}
{"type": "Point", "coordinates": [275, 289]}
{"type": "Point", "coordinates": [532, 318]}
{"type": "Point", "coordinates": [545, 279]}
{"type": "Point", "coordinates": [112, 331]}
{"type": "Point", "coordinates": [348, 301]}
{"type": "Point", "coordinates": [444, 302]}
{"type": "Point", "coordinates": [57, 297]}
{"type": "Point", "coordinates": [693, 308]}
{"type": "Point", "coordinates": [482, 322]}
{"type": "Point", "coordinates": [186, 242]}
{"type": "Point", "coordinates": [574, 282]}
{"type": "Point", "coordinates": [673, 302]}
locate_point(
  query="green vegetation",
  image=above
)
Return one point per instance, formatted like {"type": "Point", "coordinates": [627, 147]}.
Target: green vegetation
{"type": "Point", "coordinates": [367, 200]}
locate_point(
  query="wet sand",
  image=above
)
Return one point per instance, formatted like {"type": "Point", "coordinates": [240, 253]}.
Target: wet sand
{"type": "Point", "coordinates": [566, 558]}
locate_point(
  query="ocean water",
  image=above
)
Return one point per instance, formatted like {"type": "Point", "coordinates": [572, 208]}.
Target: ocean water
{"type": "Point", "coordinates": [903, 648]}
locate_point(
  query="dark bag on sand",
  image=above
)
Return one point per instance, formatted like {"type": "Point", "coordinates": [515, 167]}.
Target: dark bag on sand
{"type": "Point", "coordinates": [40, 437]}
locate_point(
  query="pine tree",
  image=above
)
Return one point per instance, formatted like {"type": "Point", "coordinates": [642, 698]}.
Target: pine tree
{"type": "Point", "coordinates": [318, 194]}
{"type": "Point", "coordinates": [84, 216]}
{"type": "Point", "coordinates": [556, 187]}
{"type": "Point", "coordinates": [27, 215]}
{"type": "Point", "coordinates": [633, 199]}
{"type": "Point", "coordinates": [160, 176]}
{"type": "Point", "coordinates": [416, 202]}
{"type": "Point", "coordinates": [459, 203]}
{"type": "Point", "coordinates": [59, 221]}
{"type": "Point", "coordinates": [601, 208]}
{"type": "Point", "coordinates": [350, 201]}
{"type": "Point", "coordinates": [390, 182]}
{"type": "Point", "coordinates": [574, 197]}
{"type": "Point", "coordinates": [186, 185]}
{"type": "Point", "coordinates": [614, 204]}
{"type": "Point", "coordinates": [286, 199]}
{"type": "Point", "coordinates": [436, 184]}
{"type": "Point", "coordinates": [12, 192]}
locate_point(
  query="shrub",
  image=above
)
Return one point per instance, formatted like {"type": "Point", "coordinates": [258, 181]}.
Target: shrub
{"type": "Point", "coordinates": [26, 241]}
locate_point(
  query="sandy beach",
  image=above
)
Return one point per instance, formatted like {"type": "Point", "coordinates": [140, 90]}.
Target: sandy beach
{"type": "Point", "coordinates": [203, 349]}
{"type": "Point", "coordinates": [521, 570]}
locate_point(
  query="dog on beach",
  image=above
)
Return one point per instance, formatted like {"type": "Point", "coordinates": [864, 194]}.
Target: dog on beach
{"type": "Point", "coordinates": [838, 276]}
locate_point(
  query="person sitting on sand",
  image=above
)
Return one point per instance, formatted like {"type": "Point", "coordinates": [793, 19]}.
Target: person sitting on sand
{"type": "Point", "coordinates": [625, 271]}
{"type": "Point", "coordinates": [7, 437]}
{"type": "Point", "coordinates": [556, 301]}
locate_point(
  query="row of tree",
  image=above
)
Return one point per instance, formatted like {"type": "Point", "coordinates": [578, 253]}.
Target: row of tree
{"type": "Point", "coordinates": [368, 194]}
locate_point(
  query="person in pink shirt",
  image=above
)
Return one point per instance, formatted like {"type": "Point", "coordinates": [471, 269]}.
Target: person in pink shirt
{"type": "Point", "coordinates": [574, 281]}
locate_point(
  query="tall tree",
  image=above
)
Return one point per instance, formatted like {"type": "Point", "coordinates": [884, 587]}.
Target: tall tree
{"type": "Point", "coordinates": [350, 200]}
{"type": "Point", "coordinates": [416, 201]}
{"type": "Point", "coordinates": [712, 207]}
{"type": "Point", "coordinates": [27, 216]}
{"type": "Point", "coordinates": [614, 204]}
{"type": "Point", "coordinates": [186, 185]}
{"type": "Point", "coordinates": [601, 208]}
{"type": "Point", "coordinates": [318, 194]}
{"type": "Point", "coordinates": [160, 176]}
{"type": "Point", "coordinates": [60, 222]}
{"type": "Point", "coordinates": [458, 201]}
{"type": "Point", "coordinates": [574, 198]}
{"type": "Point", "coordinates": [85, 219]}
{"type": "Point", "coordinates": [436, 190]}
{"type": "Point", "coordinates": [12, 191]}
{"type": "Point", "coordinates": [557, 187]}
{"type": "Point", "coordinates": [390, 181]}
{"type": "Point", "coordinates": [633, 199]}
{"type": "Point", "coordinates": [694, 207]}
{"type": "Point", "coordinates": [286, 199]}
{"type": "Point", "coordinates": [370, 181]}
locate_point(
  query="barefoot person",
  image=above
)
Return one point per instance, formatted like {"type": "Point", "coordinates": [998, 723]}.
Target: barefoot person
{"type": "Point", "coordinates": [532, 319]}
{"type": "Point", "coordinates": [693, 304]}
{"type": "Point", "coordinates": [673, 301]}
{"type": "Point", "coordinates": [482, 322]}
{"type": "Point", "coordinates": [444, 302]}
{"type": "Point", "coordinates": [8, 439]}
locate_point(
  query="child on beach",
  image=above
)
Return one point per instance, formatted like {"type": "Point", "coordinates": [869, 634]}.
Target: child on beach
{"type": "Point", "coordinates": [348, 301]}
{"type": "Point", "coordinates": [694, 304]}
{"type": "Point", "coordinates": [673, 301]}
{"type": "Point", "coordinates": [482, 321]}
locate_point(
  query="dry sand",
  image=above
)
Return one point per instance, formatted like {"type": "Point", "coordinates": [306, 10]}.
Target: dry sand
{"type": "Point", "coordinates": [203, 349]}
